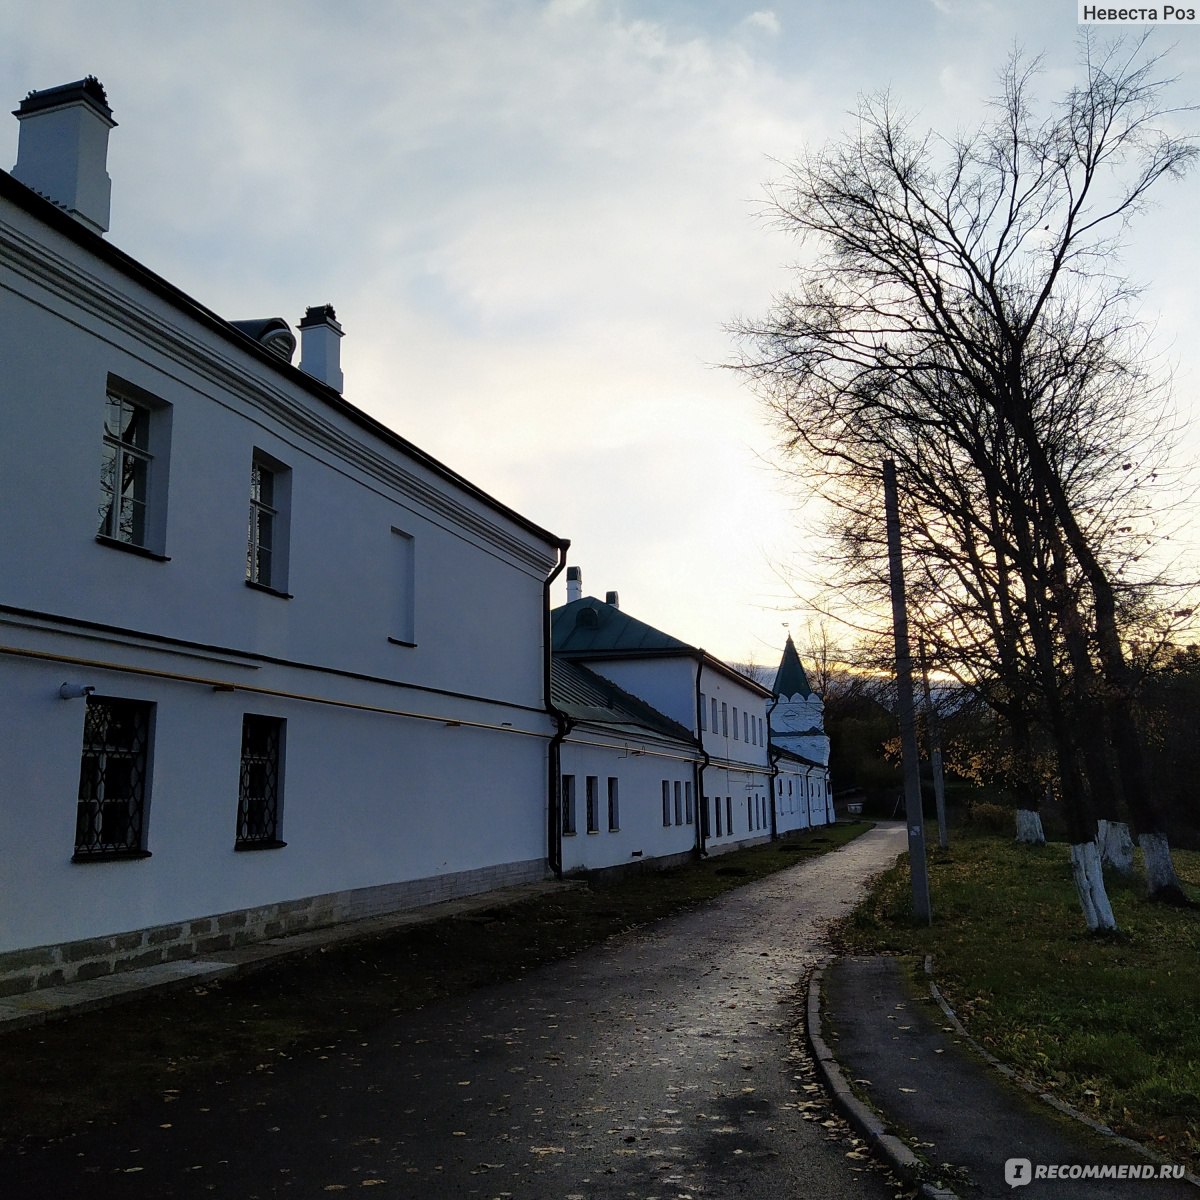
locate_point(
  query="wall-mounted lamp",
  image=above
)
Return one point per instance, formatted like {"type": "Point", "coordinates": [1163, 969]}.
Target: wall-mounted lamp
{"type": "Point", "coordinates": [75, 691]}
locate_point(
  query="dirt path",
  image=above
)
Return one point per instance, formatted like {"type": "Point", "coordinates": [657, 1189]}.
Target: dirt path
{"type": "Point", "coordinates": [655, 1066]}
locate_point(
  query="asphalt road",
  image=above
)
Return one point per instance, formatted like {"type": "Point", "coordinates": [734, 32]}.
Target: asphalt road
{"type": "Point", "coordinates": [655, 1067]}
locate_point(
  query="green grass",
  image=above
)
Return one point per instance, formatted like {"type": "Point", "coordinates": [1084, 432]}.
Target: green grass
{"type": "Point", "coordinates": [1106, 1023]}
{"type": "Point", "coordinates": [91, 1067]}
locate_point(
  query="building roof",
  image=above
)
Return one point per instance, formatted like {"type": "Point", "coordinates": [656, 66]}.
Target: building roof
{"type": "Point", "coordinates": [587, 698]}
{"type": "Point", "coordinates": [790, 679]}
{"type": "Point", "coordinates": [589, 626]}
{"type": "Point", "coordinates": [591, 629]}
{"type": "Point", "coordinates": [780, 754]}
{"type": "Point", "coordinates": [49, 214]}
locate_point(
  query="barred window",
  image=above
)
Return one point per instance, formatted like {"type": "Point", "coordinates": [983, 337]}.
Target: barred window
{"type": "Point", "coordinates": [260, 788]}
{"type": "Point", "coordinates": [113, 775]}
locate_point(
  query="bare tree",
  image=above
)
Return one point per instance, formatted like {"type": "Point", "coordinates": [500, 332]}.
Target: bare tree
{"type": "Point", "coordinates": [964, 319]}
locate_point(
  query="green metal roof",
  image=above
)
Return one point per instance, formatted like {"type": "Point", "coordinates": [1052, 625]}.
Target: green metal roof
{"type": "Point", "coordinates": [591, 629]}
{"type": "Point", "coordinates": [790, 679]}
{"type": "Point", "coordinates": [588, 698]}
{"type": "Point", "coordinates": [589, 626]}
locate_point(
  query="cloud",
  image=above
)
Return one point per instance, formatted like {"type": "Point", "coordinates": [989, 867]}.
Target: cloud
{"type": "Point", "coordinates": [534, 220]}
{"type": "Point", "coordinates": [763, 21]}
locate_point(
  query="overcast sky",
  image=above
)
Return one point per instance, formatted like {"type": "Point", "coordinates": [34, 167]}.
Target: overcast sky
{"type": "Point", "coordinates": [535, 219]}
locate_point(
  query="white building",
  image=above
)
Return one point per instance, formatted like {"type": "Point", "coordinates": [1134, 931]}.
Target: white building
{"type": "Point", "coordinates": [246, 684]}
{"type": "Point", "coordinates": [800, 747]}
{"type": "Point", "coordinates": [628, 776]}
{"type": "Point", "coordinates": [721, 710]}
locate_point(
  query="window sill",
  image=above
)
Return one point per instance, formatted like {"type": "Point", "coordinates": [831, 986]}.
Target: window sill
{"type": "Point", "coordinates": [101, 856]}
{"type": "Point", "coordinates": [130, 548]}
{"type": "Point", "coordinates": [263, 845]}
{"type": "Point", "coordinates": [402, 642]}
{"type": "Point", "coordinates": [262, 587]}
{"type": "Point", "coordinates": [568, 833]}
{"type": "Point", "coordinates": [593, 832]}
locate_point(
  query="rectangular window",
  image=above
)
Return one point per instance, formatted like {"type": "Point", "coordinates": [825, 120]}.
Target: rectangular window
{"type": "Point", "coordinates": [746, 726]}
{"type": "Point", "coordinates": [134, 455]}
{"type": "Point", "coordinates": [666, 799]}
{"type": "Point", "coordinates": [729, 813]}
{"type": "Point", "coordinates": [614, 805]}
{"type": "Point", "coordinates": [404, 588]}
{"type": "Point", "coordinates": [714, 715]}
{"type": "Point", "coordinates": [593, 804]}
{"type": "Point", "coordinates": [114, 774]}
{"type": "Point", "coordinates": [735, 724]}
{"type": "Point", "coordinates": [260, 790]}
{"type": "Point", "coordinates": [689, 813]}
{"type": "Point", "coordinates": [266, 540]}
{"type": "Point", "coordinates": [568, 804]}
{"type": "Point", "coordinates": [717, 810]}
{"type": "Point", "coordinates": [703, 713]}
{"type": "Point", "coordinates": [678, 803]}
{"type": "Point", "coordinates": [749, 814]}
{"type": "Point", "coordinates": [724, 719]}
{"type": "Point", "coordinates": [762, 741]}
{"type": "Point", "coordinates": [263, 514]}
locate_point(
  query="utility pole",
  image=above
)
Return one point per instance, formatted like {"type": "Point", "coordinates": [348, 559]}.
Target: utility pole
{"type": "Point", "coordinates": [933, 726]}
{"type": "Point", "coordinates": [904, 704]}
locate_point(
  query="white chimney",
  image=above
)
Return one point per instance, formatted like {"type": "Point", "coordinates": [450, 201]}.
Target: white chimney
{"type": "Point", "coordinates": [320, 346]}
{"type": "Point", "coordinates": [62, 149]}
{"type": "Point", "coordinates": [574, 584]}
{"type": "Point", "coordinates": [613, 599]}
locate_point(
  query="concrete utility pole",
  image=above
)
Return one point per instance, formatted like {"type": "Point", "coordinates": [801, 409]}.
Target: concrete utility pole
{"type": "Point", "coordinates": [933, 728]}
{"type": "Point", "coordinates": [904, 704]}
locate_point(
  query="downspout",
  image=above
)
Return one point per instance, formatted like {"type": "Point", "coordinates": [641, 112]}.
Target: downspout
{"type": "Point", "coordinates": [698, 769]}
{"type": "Point", "coordinates": [773, 766]}
{"type": "Point", "coordinates": [562, 725]}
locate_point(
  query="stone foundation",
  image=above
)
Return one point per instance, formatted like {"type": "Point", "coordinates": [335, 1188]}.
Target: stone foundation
{"type": "Point", "coordinates": [49, 966]}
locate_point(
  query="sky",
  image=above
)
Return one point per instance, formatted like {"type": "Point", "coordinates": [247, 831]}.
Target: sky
{"type": "Point", "coordinates": [536, 220]}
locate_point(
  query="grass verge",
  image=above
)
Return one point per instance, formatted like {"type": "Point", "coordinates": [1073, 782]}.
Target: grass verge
{"type": "Point", "coordinates": [1108, 1024]}
{"type": "Point", "coordinates": [91, 1067]}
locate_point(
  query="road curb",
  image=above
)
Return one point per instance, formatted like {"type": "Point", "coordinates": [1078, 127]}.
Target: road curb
{"type": "Point", "coordinates": [869, 1124]}
{"type": "Point", "coordinates": [1054, 1102]}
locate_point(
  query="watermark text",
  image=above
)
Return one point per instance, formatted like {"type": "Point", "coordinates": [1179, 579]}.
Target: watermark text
{"type": "Point", "coordinates": [1158, 14]}
{"type": "Point", "coordinates": [1018, 1172]}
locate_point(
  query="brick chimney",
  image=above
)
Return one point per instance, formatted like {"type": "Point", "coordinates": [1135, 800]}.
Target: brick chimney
{"type": "Point", "coordinates": [320, 346]}
{"type": "Point", "coordinates": [62, 149]}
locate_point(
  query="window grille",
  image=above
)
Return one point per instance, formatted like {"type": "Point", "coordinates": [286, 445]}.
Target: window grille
{"type": "Point", "coordinates": [259, 788]}
{"type": "Point", "coordinates": [110, 820]}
